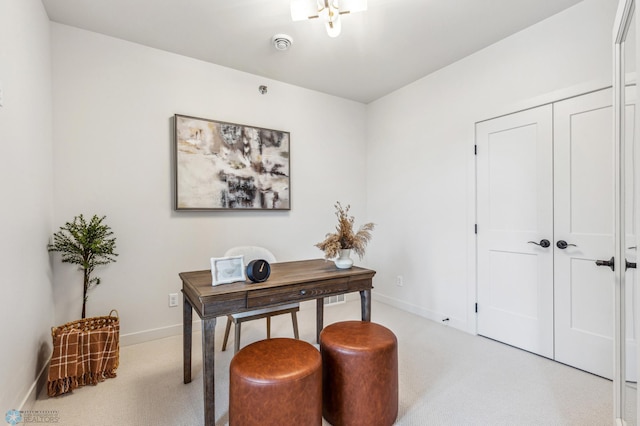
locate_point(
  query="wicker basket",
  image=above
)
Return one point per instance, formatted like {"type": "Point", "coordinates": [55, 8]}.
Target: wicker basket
{"type": "Point", "coordinates": [74, 366]}
{"type": "Point", "coordinates": [87, 324]}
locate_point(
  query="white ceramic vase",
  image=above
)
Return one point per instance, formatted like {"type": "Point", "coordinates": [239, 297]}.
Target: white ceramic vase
{"type": "Point", "coordinates": [344, 261]}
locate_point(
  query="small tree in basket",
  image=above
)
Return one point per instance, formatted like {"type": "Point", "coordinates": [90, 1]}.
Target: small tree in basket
{"type": "Point", "coordinates": [88, 244]}
{"type": "Point", "coordinates": [344, 237]}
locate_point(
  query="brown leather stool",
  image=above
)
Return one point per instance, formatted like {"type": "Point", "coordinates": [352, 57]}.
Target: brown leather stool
{"type": "Point", "coordinates": [276, 382]}
{"type": "Point", "coordinates": [359, 374]}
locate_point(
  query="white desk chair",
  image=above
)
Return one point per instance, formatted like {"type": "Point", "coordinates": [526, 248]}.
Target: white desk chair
{"type": "Point", "coordinates": [250, 253]}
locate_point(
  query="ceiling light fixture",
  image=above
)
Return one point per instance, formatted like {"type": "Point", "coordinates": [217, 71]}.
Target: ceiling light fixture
{"type": "Point", "coordinates": [328, 10]}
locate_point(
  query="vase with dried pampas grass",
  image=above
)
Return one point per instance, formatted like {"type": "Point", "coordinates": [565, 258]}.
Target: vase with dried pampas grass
{"type": "Point", "coordinates": [335, 243]}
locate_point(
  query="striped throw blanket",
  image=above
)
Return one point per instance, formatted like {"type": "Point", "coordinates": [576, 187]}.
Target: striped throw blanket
{"type": "Point", "coordinates": [83, 357]}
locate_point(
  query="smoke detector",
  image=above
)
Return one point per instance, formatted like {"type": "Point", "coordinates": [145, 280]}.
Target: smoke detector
{"type": "Point", "coordinates": [282, 41]}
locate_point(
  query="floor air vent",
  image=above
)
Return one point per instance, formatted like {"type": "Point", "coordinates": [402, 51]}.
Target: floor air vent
{"type": "Point", "coordinates": [332, 300]}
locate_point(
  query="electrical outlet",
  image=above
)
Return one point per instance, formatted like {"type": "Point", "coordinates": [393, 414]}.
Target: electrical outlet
{"type": "Point", "coordinates": [173, 300]}
{"type": "Point", "coordinates": [399, 280]}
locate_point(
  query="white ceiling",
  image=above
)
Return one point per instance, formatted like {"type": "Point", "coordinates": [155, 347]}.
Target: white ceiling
{"type": "Point", "coordinates": [392, 44]}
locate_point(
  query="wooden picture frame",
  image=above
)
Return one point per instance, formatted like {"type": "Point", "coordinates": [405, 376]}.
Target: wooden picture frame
{"type": "Point", "coordinates": [225, 270]}
{"type": "Point", "coordinates": [228, 166]}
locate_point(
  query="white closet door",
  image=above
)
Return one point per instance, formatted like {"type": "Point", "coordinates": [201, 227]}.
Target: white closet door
{"type": "Point", "coordinates": [584, 218]}
{"type": "Point", "coordinates": [548, 173]}
{"type": "Point", "coordinates": [515, 194]}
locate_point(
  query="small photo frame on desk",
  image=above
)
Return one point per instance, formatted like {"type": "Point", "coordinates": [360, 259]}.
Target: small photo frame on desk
{"type": "Point", "coordinates": [226, 270]}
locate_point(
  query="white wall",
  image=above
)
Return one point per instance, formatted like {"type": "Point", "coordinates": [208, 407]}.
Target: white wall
{"type": "Point", "coordinates": [25, 183]}
{"type": "Point", "coordinates": [113, 104]}
{"type": "Point", "coordinates": [112, 108]}
{"type": "Point", "coordinates": [420, 166]}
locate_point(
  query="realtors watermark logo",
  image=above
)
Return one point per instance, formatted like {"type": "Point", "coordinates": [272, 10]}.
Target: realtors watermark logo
{"type": "Point", "coordinates": [13, 417]}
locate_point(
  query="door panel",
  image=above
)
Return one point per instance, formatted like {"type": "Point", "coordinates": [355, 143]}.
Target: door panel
{"type": "Point", "coordinates": [630, 238]}
{"type": "Point", "coordinates": [515, 276]}
{"type": "Point", "coordinates": [584, 199]}
{"type": "Point", "coordinates": [631, 312]}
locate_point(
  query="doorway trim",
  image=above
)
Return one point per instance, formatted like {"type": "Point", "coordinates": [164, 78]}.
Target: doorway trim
{"type": "Point", "coordinates": [472, 184]}
{"type": "Point", "coordinates": [624, 16]}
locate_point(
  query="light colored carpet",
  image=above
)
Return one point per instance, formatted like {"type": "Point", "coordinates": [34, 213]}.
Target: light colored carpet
{"type": "Point", "coordinates": [447, 377]}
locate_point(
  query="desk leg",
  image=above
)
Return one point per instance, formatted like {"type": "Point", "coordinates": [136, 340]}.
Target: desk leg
{"type": "Point", "coordinates": [319, 317]}
{"type": "Point", "coordinates": [187, 317]}
{"type": "Point", "coordinates": [208, 355]}
{"type": "Point", "coordinates": [365, 304]}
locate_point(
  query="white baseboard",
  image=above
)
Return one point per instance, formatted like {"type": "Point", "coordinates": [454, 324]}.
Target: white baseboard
{"type": "Point", "coordinates": [40, 382]}
{"type": "Point", "coordinates": [176, 329]}
{"type": "Point", "coordinates": [133, 339]}
{"type": "Point", "coordinates": [425, 313]}
{"type": "Point", "coordinates": [156, 333]}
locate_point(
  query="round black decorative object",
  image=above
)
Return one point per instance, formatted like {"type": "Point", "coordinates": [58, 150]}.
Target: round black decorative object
{"type": "Point", "coordinates": [258, 270]}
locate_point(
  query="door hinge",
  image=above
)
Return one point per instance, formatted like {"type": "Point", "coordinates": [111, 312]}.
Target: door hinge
{"type": "Point", "coordinates": [475, 228]}
{"type": "Point", "coordinates": [476, 308]}
{"type": "Point", "coordinates": [475, 150]}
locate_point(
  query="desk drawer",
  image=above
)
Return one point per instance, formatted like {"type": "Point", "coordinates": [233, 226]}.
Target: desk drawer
{"type": "Point", "coordinates": [296, 293]}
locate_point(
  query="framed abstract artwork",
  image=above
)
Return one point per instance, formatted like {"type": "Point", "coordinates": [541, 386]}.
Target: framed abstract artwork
{"type": "Point", "coordinates": [227, 166]}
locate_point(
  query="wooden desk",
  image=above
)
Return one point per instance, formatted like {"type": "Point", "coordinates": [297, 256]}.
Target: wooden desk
{"type": "Point", "coordinates": [289, 282]}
